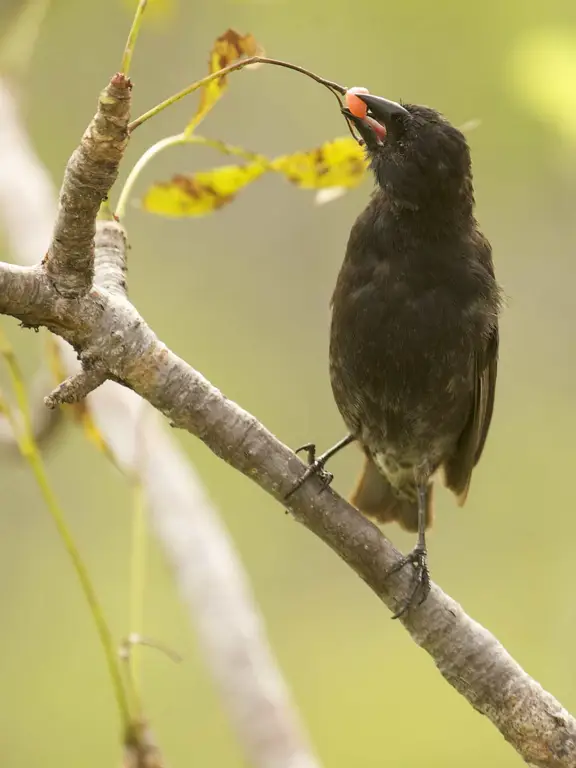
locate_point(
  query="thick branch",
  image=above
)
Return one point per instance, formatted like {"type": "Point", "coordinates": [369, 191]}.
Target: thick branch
{"type": "Point", "coordinates": [22, 292]}
{"type": "Point", "coordinates": [89, 175]}
{"type": "Point", "coordinates": [110, 263]}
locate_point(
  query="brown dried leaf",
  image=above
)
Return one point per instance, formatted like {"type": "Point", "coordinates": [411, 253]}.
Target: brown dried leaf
{"type": "Point", "coordinates": [228, 48]}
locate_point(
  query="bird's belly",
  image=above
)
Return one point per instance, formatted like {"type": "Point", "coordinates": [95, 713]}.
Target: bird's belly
{"type": "Point", "coordinates": [400, 473]}
{"type": "Point", "coordinates": [402, 383]}
{"type": "Point", "coordinates": [403, 465]}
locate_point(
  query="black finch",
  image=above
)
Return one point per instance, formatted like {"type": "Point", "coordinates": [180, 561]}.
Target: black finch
{"type": "Point", "coordinates": [414, 333]}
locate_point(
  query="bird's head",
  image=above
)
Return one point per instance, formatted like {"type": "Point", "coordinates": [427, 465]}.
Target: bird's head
{"type": "Point", "coordinates": [416, 155]}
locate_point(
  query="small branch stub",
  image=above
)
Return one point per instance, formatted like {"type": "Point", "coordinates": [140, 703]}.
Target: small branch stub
{"type": "Point", "coordinates": [76, 388]}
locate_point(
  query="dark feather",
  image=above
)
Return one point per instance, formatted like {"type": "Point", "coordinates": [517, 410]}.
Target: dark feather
{"type": "Point", "coordinates": [458, 468]}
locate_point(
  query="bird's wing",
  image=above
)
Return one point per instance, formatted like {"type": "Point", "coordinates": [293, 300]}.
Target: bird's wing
{"type": "Point", "coordinates": [458, 468]}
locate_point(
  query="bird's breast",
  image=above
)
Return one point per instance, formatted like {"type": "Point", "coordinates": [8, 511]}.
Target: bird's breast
{"type": "Point", "coordinates": [402, 345]}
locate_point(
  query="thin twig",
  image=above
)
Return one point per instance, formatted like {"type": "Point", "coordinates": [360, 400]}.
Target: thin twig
{"type": "Point", "coordinates": [132, 37]}
{"type": "Point", "coordinates": [335, 88]}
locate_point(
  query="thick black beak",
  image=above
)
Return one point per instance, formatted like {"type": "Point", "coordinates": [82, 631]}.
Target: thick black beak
{"type": "Point", "coordinates": [381, 109]}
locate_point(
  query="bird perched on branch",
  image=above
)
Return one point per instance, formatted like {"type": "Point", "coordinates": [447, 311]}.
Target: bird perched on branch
{"type": "Point", "coordinates": [414, 333]}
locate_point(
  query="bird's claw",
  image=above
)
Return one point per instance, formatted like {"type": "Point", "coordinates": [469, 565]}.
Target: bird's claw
{"type": "Point", "coordinates": [419, 560]}
{"type": "Point", "coordinates": [310, 449]}
{"type": "Point", "coordinates": [315, 467]}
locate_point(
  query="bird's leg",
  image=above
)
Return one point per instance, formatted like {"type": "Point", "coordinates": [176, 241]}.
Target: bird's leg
{"type": "Point", "coordinates": [316, 465]}
{"type": "Point", "coordinates": [418, 557]}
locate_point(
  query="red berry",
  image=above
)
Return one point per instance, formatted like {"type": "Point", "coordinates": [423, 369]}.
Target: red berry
{"type": "Point", "coordinates": [354, 104]}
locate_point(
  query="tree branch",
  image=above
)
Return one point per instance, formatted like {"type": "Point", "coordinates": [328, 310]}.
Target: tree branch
{"type": "Point", "coordinates": [206, 566]}
{"type": "Point", "coordinates": [89, 175]}
{"type": "Point", "coordinates": [110, 262]}
{"type": "Point", "coordinates": [108, 331]}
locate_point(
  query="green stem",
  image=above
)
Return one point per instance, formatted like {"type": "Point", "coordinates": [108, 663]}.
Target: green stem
{"type": "Point", "coordinates": [334, 87]}
{"type": "Point", "coordinates": [30, 452]}
{"type": "Point", "coordinates": [142, 162]}
{"type": "Point", "coordinates": [132, 37]}
{"type": "Point", "coordinates": [137, 585]}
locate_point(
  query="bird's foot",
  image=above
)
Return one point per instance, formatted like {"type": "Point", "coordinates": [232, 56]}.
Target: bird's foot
{"type": "Point", "coordinates": [315, 467]}
{"type": "Point", "coordinates": [418, 558]}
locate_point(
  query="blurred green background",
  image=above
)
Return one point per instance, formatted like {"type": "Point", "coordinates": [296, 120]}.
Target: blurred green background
{"type": "Point", "coordinates": [243, 295]}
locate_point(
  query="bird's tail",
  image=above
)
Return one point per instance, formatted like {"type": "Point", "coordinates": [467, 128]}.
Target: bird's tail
{"type": "Point", "coordinates": [374, 497]}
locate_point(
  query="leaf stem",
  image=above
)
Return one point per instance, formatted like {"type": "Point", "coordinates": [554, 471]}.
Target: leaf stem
{"type": "Point", "coordinates": [155, 149]}
{"type": "Point", "coordinates": [173, 141]}
{"type": "Point", "coordinates": [132, 37]}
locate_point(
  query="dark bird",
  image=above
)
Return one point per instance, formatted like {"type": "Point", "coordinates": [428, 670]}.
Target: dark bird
{"type": "Point", "coordinates": [414, 333]}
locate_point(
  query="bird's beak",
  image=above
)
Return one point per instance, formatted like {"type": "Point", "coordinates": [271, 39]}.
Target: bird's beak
{"type": "Point", "coordinates": [374, 127]}
{"type": "Point", "coordinates": [381, 109]}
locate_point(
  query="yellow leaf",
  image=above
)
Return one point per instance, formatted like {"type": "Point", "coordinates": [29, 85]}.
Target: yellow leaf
{"type": "Point", "coordinates": [203, 192]}
{"type": "Point", "coordinates": [542, 72]}
{"type": "Point", "coordinates": [228, 48]}
{"type": "Point", "coordinates": [338, 163]}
